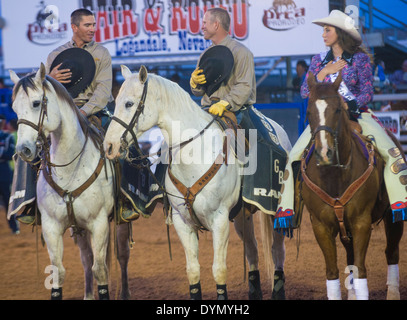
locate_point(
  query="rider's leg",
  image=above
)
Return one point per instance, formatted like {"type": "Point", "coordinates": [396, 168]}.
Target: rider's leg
{"type": "Point", "coordinates": [285, 209]}
{"type": "Point", "coordinates": [395, 171]}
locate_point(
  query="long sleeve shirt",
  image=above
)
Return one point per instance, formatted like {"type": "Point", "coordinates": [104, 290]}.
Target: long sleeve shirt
{"type": "Point", "coordinates": [357, 76]}
{"type": "Point", "coordinates": [99, 92]}
{"type": "Point", "coordinates": [240, 88]}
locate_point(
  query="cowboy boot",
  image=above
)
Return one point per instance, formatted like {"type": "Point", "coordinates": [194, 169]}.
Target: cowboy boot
{"type": "Point", "coordinates": [285, 211]}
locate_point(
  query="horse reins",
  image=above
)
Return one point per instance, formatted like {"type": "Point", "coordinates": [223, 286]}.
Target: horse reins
{"type": "Point", "coordinates": [67, 196]}
{"type": "Point", "coordinates": [189, 194]}
{"type": "Point", "coordinates": [338, 203]}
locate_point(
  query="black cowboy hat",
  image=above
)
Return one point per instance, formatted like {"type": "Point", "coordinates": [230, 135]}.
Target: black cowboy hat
{"type": "Point", "coordinates": [216, 63]}
{"type": "Point", "coordinates": [82, 66]}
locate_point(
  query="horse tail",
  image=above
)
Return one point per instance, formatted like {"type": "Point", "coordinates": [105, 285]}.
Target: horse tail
{"type": "Point", "coordinates": [266, 230]}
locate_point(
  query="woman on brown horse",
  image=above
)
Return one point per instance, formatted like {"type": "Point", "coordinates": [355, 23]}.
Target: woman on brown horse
{"type": "Point", "coordinates": [346, 57]}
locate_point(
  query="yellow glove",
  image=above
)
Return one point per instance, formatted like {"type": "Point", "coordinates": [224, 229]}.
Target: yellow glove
{"type": "Point", "coordinates": [219, 108]}
{"type": "Point", "coordinates": [197, 77]}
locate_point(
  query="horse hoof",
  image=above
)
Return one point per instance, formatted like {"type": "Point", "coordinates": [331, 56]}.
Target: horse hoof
{"type": "Point", "coordinates": [255, 286]}
{"type": "Point", "coordinates": [278, 288]}
{"type": "Point", "coordinates": [351, 294]}
{"type": "Point", "coordinates": [393, 293]}
{"type": "Point", "coordinates": [195, 291]}
{"type": "Point", "coordinates": [221, 292]}
{"type": "Point", "coordinates": [56, 294]}
{"type": "Point", "coordinates": [103, 292]}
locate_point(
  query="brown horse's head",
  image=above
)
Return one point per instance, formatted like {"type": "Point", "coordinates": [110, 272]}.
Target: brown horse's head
{"type": "Point", "coordinates": [327, 117]}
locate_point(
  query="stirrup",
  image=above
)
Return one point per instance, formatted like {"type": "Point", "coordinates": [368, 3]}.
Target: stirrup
{"type": "Point", "coordinates": [28, 219]}
{"type": "Point", "coordinates": [128, 215]}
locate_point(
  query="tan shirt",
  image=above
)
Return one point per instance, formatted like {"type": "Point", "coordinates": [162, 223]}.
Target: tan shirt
{"type": "Point", "coordinates": [240, 88]}
{"type": "Point", "coordinates": [99, 92]}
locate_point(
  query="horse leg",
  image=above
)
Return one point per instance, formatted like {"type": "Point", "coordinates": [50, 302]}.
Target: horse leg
{"type": "Point", "coordinates": [278, 254]}
{"type": "Point", "coordinates": [100, 242]}
{"type": "Point", "coordinates": [245, 230]}
{"type": "Point", "coordinates": [220, 232]}
{"type": "Point", "coordinates": [394, 232]}
{"type": "Point", "coordinates": [361, 230]}
{"type": "Point", "coordinates": [325, 237]}
{"type": "Point", "coordinates": [85, 248]}
{"type": "Point", "coordinates": [350, 258]}
{"type": "Point", "coordinates": [189, 240]}
{"type": "Point", "coordinates": [54, 240]}
{"type": "Point", "coordinates": [123, 255]}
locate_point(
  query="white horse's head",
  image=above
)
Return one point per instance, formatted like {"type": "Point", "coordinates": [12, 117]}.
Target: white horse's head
{"type": "Point", "coordinates": [136, 96]}
{"type": "Point", "coordinates": [32, 97]}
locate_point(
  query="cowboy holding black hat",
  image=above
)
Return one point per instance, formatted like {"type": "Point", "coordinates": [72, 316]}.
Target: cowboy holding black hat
{"type": "Point", "coordinates": [226, 55]}
{"type": "Point", "coordinates": [83, 66]}
{"type": "Point", "coordinates": [85, 69]}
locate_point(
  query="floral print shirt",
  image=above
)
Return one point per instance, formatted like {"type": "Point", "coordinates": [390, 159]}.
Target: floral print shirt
{"type": "Point", "coordinates": [357, 75]}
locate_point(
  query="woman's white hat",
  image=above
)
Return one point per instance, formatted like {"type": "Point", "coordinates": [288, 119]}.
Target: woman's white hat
{"type": "Point", "coordinates": [342, 21]}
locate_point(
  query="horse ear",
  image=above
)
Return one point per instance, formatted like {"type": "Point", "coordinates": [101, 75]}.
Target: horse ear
{"type": "Point", "coordinates": [143, 74]}
{"type": "Point", "coordinates": [126, 73]}
{"type": "Point", "coordinates": [40, 75]}
{"type": "Point", "coordinates": [338, 81]}
{"type": "Point", "coordinates": [14, 77]}
{"type": "Point", "coordinates": [311, 81]}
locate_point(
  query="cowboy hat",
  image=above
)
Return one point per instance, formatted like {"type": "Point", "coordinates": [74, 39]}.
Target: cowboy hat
{"type": "Point", "coordinates": [216, 63]}
{"type": "Point", "coordinates": [82, 66]}
{"type": "Point", "coordinates": [342, 21]}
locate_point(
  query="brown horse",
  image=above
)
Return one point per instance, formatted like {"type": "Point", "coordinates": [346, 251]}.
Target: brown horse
{"type": "Point", "coordinates": [344, 192]}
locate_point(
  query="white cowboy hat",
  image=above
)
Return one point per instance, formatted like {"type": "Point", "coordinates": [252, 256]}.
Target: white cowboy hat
{"type": "Point", "coordinates": [342, 21]}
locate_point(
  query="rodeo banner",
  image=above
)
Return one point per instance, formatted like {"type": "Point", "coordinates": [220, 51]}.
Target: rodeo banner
{"type": "Point", "coordinates": [145, 31]}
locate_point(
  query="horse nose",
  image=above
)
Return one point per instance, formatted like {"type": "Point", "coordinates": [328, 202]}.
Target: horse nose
{"type": "Point", "coordinates": [25, 152]}
{"type": "Point", "coordinates": [109, 150]}
{"type": "Point", "coordinates": [325, 157]}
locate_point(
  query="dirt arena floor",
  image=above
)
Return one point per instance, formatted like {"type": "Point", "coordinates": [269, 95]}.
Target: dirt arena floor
{"type": "Point", "coordinates": [153, 276]}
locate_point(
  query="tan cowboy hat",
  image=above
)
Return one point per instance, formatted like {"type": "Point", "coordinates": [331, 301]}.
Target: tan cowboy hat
{"type": "Point", "coordinates": [342, 21]}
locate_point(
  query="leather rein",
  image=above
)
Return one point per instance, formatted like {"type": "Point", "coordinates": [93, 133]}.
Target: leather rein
{"type": "Point", "coordinates": [46, 164]}
{"type": "Point", "coordinates": [338, 203]}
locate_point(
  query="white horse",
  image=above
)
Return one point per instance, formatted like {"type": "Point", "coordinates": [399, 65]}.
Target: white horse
{"type": "Point", "coordinates": [151, 100]}
{"type": "Point", "coordinates": [45, 109]}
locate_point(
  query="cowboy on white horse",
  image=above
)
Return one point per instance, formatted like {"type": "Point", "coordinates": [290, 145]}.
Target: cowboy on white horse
{"type": "Point", "coordinates": [225, 79]}
{"type": "Point", "coordinates": [85, 69]}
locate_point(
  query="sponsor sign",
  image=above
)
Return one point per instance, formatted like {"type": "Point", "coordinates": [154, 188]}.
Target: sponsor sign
{"type": "Point", "coordinates": [390, 120]}
{"type": "Point", "coordinates": [160, 30]}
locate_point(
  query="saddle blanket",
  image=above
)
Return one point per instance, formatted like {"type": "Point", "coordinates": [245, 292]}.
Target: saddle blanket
{"type": "Point", "coordinates": [134, 187]}
{"type": "Point", "coordinates": [264, 167]}
{"type": "Point", "coordinates": [23, 188]}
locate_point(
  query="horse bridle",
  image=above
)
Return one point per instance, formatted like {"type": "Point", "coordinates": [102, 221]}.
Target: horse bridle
{"type": "Point", "coordinates": [129, 127]}
{"type": "Point", "coordinates": [42, 141]}
{"type": "Point", "coordinates": [333, 133]}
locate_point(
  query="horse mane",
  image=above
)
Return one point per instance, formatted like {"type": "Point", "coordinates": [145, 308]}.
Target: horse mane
{"type": "Point", "coordinates": [172, 93]}
{"type": "Point", "coordinates": [27, 82]}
